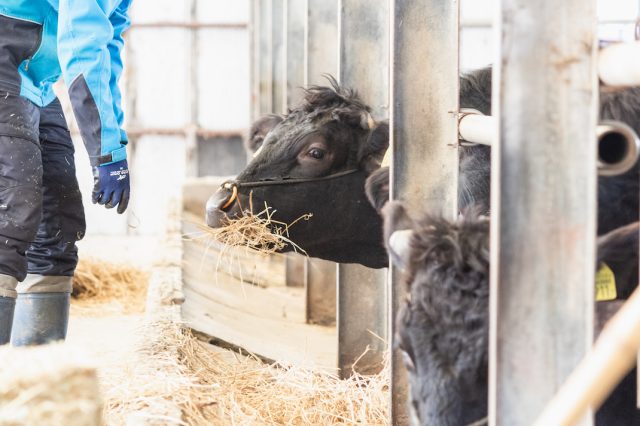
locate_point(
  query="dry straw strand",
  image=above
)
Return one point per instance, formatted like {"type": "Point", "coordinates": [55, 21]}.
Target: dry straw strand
{"type": "Point", "coordinates": [257, 231]}
{"type": "Point", "coordinates": [48, 385]}
{"type": "Point", "coordinates": [221, 388]}
{"type": "Point", "coordinates": [98, 282]}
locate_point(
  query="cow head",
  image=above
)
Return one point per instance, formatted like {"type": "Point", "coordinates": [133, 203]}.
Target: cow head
{"type": "Point", "coordinates": [319, 155]}
{"type": "Point", "coordinates": [442, 326]}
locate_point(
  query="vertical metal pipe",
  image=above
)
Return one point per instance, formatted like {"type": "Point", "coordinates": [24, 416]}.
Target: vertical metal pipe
{"type": "Point", "coordinates": [295, 15]}
{"type": "Point", "coordinates": [321, 292]}
{"type": "Point", "coordinates": [362, 296]}
{"type": "Point", "coordinates": [278, 69]}
{"type": "Point", "coordinates": [265, 57]}
{"type": "Point", "coordinates": [254, 47]}
{"type": "Point", "coordinates": [191, 139]}
{"type": "Point", "coordinates": [544, 203]}
{"type": "Point", "coordinates": [320, 57]}
{"type": "Point", "coordinates": [321, 37]}
{"type": "Point", "coordinates": [424, 136]}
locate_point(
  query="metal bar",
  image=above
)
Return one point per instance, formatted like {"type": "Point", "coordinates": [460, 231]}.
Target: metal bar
{"type": "Point", "coordinates": [477, 128]}
{"type": "Point", "coordinates": [424, 136]}
{"type": "Point", "coordinates": [468, 22]}
{"type": "Point", "coordinates": [266, 58]}
{"type": "Point", "coordinates": [320, 56]}
{"type": "Point", "coordinates": [618, 145]}
{"type": "Point", "coordinates": [321, 39]}
{"type": "Point", "coordinates": [321, 292]}
{"type": "Point", "coordinates": [191, 137]}
{"type": "Point", "coordinates": [205, 133]}
{"type": "Point", "coordinates": [278, 30]}
{"type": "Point", "coordinates": [619, 64]}
{"type": "Point", "coordinates": [543, 234]}
{"type": "Point", "coordinates": [362, 297]}
{"type": "Point", "coordinates": [295, 273]}
{"type": "Point", "coordinates": [254, 57]}
{"type": "Point", "coordinates": [189, 25]}
{"type": "Point", "coordinates": [295, 14]}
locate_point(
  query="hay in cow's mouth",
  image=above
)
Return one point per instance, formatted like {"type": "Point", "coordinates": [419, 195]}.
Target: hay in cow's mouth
{"type": "Point", "coordinates": [257, 231]}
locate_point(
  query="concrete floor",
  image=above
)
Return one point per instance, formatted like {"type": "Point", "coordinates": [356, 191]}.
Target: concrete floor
{"type": "Point", "coordinates": [106, 336]}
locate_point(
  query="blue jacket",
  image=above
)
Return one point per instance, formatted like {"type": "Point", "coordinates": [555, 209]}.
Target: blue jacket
{"type": "Point", "coordinates": [82, 41]}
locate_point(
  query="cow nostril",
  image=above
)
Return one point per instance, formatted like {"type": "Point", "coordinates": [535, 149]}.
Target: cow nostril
{"type": "Point", "coordinates": [218, 206]}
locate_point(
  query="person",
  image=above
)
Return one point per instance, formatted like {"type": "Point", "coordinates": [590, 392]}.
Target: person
{"type": "Point", "coordinates": [41, 212]}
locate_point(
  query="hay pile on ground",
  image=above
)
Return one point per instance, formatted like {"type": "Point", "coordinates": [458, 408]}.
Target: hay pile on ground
{"type": "Point", "coordinates": [47, 385]}
{"type": "Point", "coordinates": [122, 287]}
{"type": "Point", "coordinates": [256, 231]}
{"type": "Point", "coordinates": [173, 369]}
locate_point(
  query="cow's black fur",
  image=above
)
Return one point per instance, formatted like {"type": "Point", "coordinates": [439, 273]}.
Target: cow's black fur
{"type": "Point", "coordinates": [443, 325]}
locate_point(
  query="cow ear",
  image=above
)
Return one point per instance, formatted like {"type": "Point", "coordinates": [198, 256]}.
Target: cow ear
{"type": "Point", "coordinates": [373, 150]}
{"type": "Point", "coordinates": [398, 232]}
{"type": "Point", "coordinates": [377, 188]}
{"type": "Point", "coordinates": [259, 131]}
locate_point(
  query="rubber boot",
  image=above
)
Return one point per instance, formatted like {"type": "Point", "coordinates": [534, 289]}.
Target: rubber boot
{"type": "Point", "coordinates": [7, 305]}
{"type": "Point", "coordinates": [40, 318]}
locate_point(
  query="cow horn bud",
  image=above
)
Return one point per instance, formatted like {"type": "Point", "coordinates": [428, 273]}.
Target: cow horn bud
{"type": "Point", "coordinates": [367, 121]}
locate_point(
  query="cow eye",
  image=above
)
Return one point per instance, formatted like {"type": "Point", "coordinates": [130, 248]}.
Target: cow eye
{"type": "Point", "coordinates": [316, 153]}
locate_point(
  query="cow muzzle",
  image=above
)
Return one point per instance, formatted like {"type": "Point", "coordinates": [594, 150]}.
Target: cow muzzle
{"type": "Point", "coordinates": [220, 205]}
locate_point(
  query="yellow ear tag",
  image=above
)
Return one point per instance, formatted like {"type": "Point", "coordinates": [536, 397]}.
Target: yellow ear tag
{"type": "Point", "coordinates": [605, 284]}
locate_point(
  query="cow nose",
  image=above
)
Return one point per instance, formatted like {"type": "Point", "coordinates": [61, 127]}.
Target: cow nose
{"type": "Point", "coordinates": [220, 201]}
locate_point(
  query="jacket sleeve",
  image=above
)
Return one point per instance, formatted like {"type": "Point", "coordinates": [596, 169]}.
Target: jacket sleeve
{"type": "Point", "coordinates": [120, 22]}
{"type": "Point", "coordinates": [86, 39]}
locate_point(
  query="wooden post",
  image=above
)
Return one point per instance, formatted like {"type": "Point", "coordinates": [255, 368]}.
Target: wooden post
{"type": "Point", "coordinates": [543, 204]}
{"type": "Point", "coordinates": [362, 296]}
{"type": "Point", "coordinates": [424, 137]}
{"type": "Point", "coordinates": [320, 57]}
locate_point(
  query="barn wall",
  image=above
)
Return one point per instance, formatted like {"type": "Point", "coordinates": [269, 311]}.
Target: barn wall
{"type": "Point", "coordinates": [476, 35]}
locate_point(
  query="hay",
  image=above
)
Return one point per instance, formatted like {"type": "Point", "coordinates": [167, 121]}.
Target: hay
{"type": "Point", "coordinates": [47, 385]}
{"type": "Point", "coordinates": [122, 287]}
{"type": "Point", "coordinates": [174, 369]}
{"type": "Point", "coordinates": [256, 231]}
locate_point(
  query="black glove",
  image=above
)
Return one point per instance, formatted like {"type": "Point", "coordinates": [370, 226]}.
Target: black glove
{"type": "Point", "coordinates": [111, 185]}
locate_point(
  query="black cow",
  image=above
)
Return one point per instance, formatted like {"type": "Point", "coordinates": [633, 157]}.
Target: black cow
{"type": "Point", "coordinates": [320, 155]}
{"type": "Point", "coordinates": [443, 326]}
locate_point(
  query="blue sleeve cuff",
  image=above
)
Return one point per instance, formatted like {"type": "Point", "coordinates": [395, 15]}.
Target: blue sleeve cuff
{"type": "Point", "coordinates": [113, 157]}
{"type": "Point", "coordinates": [123, 137]}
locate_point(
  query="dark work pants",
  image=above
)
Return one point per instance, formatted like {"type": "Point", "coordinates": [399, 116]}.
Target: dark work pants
{"type": "Point", "coordinates": [41, 212]}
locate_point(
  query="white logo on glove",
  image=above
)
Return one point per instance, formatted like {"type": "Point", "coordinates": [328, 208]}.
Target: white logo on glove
{"type": "Point", "coordinates": [121, 174]}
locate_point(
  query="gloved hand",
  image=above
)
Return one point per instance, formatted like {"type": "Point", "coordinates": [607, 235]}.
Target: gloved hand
{"type": "Point", "coordinates": [111, 185]}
